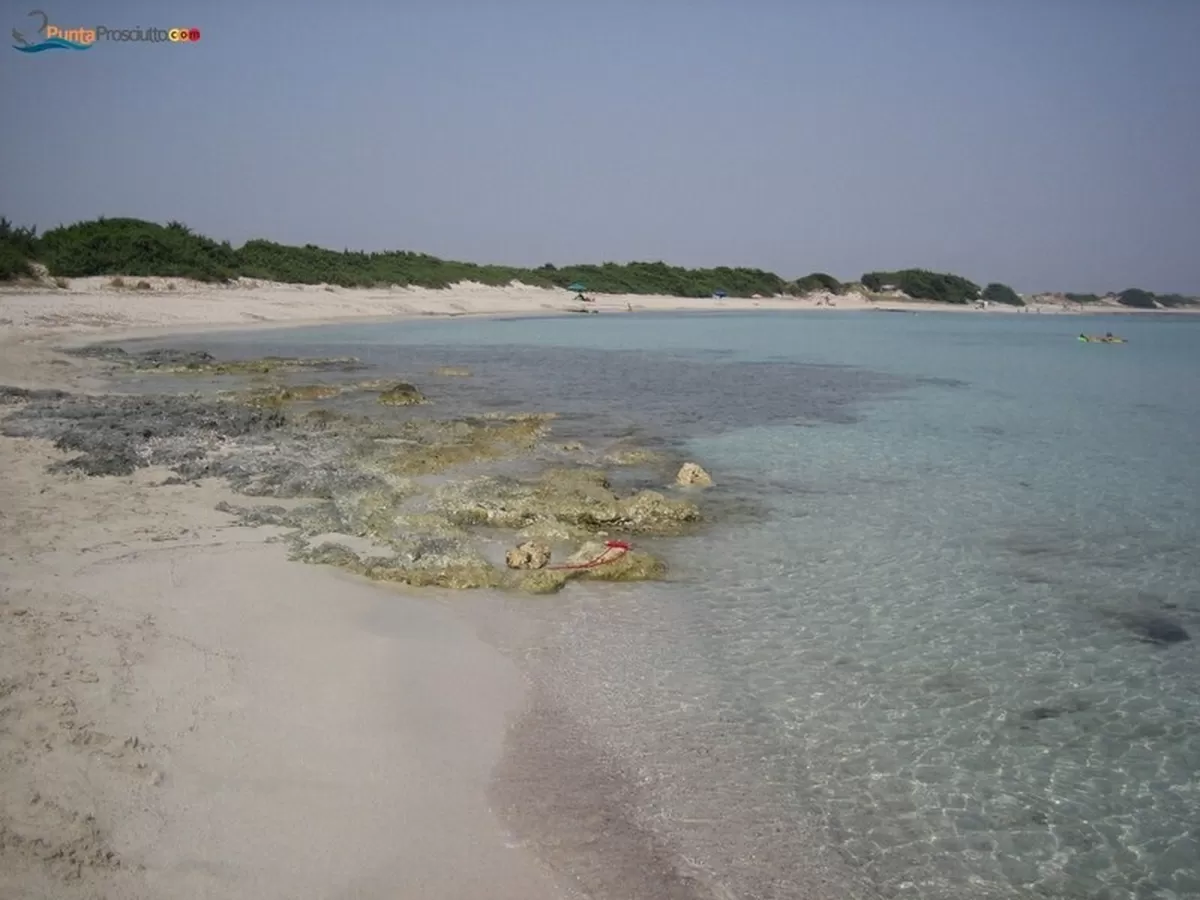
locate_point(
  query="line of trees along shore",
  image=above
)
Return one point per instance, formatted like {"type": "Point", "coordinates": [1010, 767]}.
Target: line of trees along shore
{"type": "Point", "coordinates": [133, 247]}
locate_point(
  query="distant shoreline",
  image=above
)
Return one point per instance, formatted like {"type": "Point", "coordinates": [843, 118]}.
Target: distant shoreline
{"type": "Point", "coordinates": [88, 307]}
{"type": "Point", "coordinates": [139, 250]}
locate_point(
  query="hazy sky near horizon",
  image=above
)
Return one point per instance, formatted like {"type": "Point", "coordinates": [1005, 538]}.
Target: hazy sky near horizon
{"type": "Point", "coordinates": [1050, 144]}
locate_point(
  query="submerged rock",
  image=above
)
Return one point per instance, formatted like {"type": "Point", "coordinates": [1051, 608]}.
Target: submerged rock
{"type": "Point", "coordinates": [145, 359]}
{"type": "Point", "coordinates": [529, 555]}
{"type": "Point", "coordinates": [634, 456]}
{"type": "Point", "coordinates": [692, 475]}
{"type": "Point", "coordinates": [265, 366]}
{"type": "Point", "coordinates": [401, 393]}
{"type": "Point", "coordinates": [199, 362]}
{"type": "Point", "coordinates": [541, 581]}
{"type": "Point", "coordinates": [452, 371]}
{"type": "Point", "coordinates": [1155, 629]}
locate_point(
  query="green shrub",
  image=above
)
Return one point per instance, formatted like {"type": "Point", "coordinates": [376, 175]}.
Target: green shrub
{"type": "Point", "coordinates": [1002, 293]}
{"type": "Point", "coordinates": [1137, 298]}
{"type": "Point", "coordinates": [140, 249]}
{"type": "Point", "coordinates": [12, 264]}
{"type": "Point", "coordinates": [18, 247]}
{"type": "Point", "coordinates": [925, 285]}
{"type": "Point", "coordinates": [134, 247]}
{"type": "Point", "coordinates": [817, 281]}
{"type": "Point", "coordinates": [1175, 301]}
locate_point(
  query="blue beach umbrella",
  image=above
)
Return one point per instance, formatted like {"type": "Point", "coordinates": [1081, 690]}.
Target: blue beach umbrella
{"type": "Point", "coordinates": [577, 286]}
{"type": "Point", "coordinates": [720, 295]}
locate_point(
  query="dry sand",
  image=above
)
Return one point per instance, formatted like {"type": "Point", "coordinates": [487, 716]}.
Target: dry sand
{"type": "Point", "coordinates": [183, 712]}
{"type": "Point", "coordinates": [92, 304]}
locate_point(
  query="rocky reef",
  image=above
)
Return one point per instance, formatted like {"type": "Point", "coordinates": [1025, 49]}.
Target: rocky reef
{"type": "Point", "coordinates": [199, 362]}
{"type": "Point", "coordinates": [113, 435]}
{"type": "Point", "coordinates": [401, 394]}
{"type": "Point", "coordinates": [392, 497]}
{"type": "Point", "coordinates": [575, 497]}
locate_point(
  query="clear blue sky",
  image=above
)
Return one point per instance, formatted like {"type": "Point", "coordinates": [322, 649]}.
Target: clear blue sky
{"type": "Point", "coordinates": [1051, 144]}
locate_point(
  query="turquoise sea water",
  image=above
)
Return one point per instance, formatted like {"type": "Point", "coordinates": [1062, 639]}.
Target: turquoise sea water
{"type": "Point", "coordinates": [930, 651]}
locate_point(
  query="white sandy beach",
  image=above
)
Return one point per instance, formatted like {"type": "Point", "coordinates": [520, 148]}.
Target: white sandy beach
{"type": "Point", "coordinates": [89, 304]}
{"type": "Point", "coordinates": [186, 714]}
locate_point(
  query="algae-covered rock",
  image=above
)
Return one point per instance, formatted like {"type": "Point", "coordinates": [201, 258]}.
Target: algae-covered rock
{"type": "Point", "coordinates": [609, 564]}
{"type": "Point", "coordinates": [577, 497]}
{"type": "Point", "coordinates": [330, 554]}
{"type": "Point", "coordinates": [433, 447]}
{"type": "Point", "coordinates": [456, 577]}
{"type": "Point", "coordinates": [650, 512]}
{"type": "Point", "coordinates": [191, 363]}
{"type": "Point", "coordinates": [426, 554]}
{"type": "Point", "coordinates": [276, 396]}
{"type": "Point", "coordinates": [368, 513]}
{"type": "Point", "coordinates": [430, 524]}
{"type": "Point", "coordinates": [401, 393]}
{"type": "Point", "coordinates": [593, 561]}
{"type": "Point", "coordinates": [529, 555]}
{"type": "Point", "coordinates": [324, 419]}
{"type": "Point", "coordinates": [541, 581]}
{"type": "Point", "coordinates": [199, 362]}
{"type": "Point", "coordinates": [552, 531]}
{"type": "Point", "coordinates": [385, 522]}
{"type": "Point", "coordinates": [690, 474]}
{"type": "Point", "coordinates": [311, 392]}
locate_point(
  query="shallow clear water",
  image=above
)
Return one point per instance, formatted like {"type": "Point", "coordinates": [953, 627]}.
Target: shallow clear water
{"type": "Point", "coordinates": [928, 652]}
